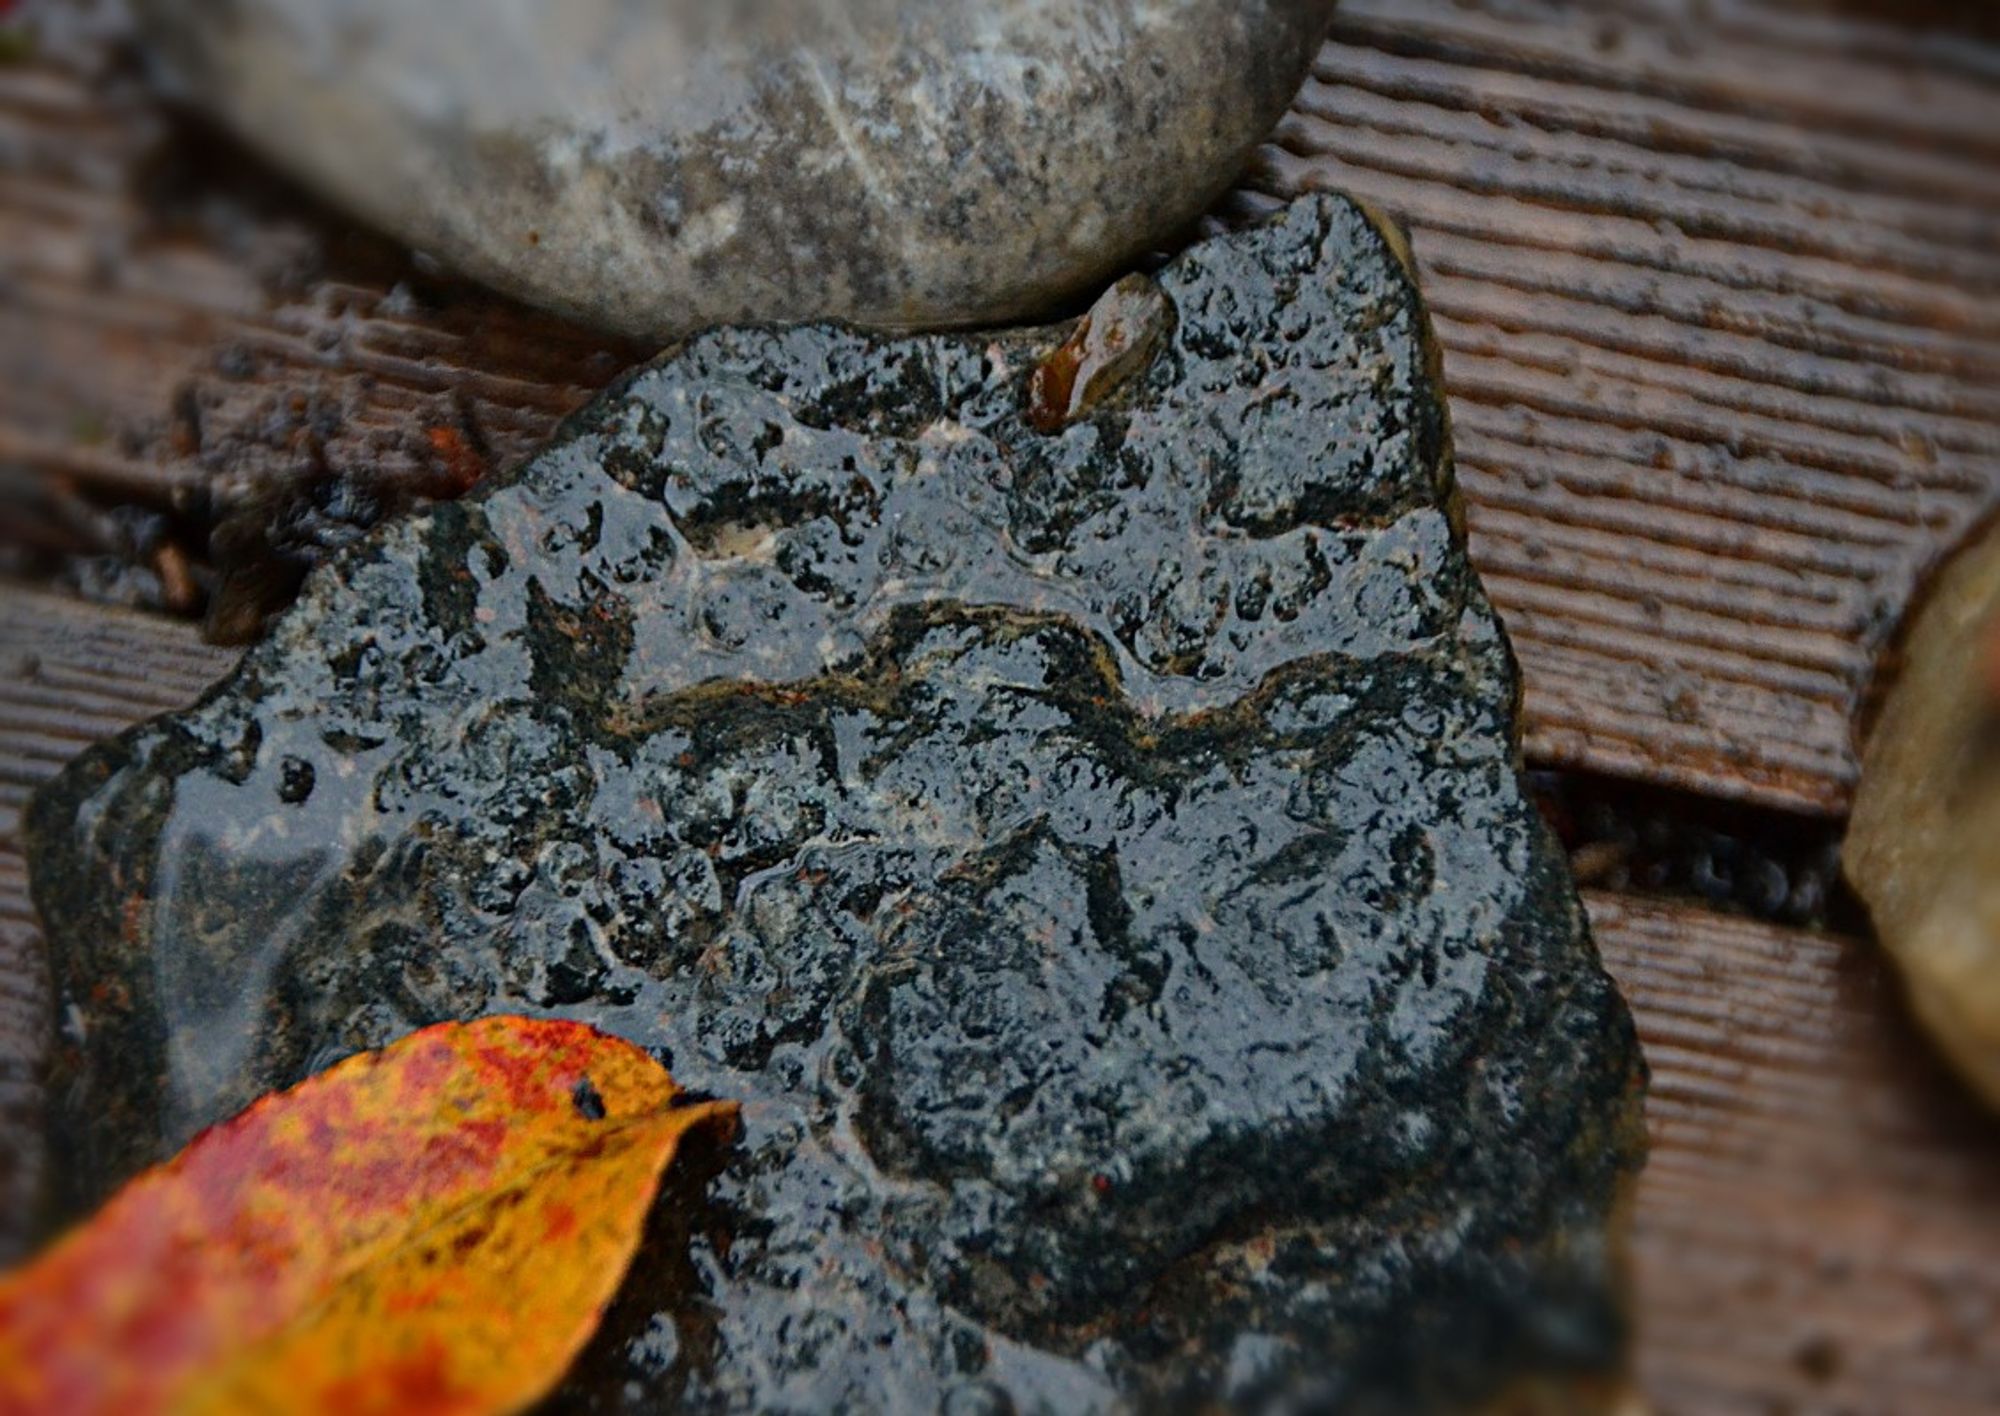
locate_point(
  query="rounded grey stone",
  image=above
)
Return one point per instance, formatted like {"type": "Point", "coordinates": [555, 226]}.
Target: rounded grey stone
{"type": "Point", "coordinates": [658, 166]}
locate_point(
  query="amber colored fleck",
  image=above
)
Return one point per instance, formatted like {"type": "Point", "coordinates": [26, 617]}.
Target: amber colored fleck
{"type": "Point", "coordinates": [1109, 345]}
{"type": "Point", "coordinates": [459, 460]}
{"type": "Point", "coordinates": [432, 1228]}
{"type": "Point", "coordinates": [177, 583]}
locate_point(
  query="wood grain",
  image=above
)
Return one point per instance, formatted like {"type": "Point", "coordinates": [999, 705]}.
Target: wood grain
{"type": "Point", "coordinates": [70, 674]}
{"type": "Point", "coordinates": [1719, 287]}
{"type": "Point", "coordinates": [1816, 1230]}
{"type": "Point", "coordinates": [173, 316]}
{"type": "Point", "coordinates": [1718, 281]}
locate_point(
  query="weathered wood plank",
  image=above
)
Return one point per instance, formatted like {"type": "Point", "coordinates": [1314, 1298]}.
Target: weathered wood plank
{"type": "Point", "coordinates": [1718, 283]}
{"type": "Point", "coordinates": [1720, 294]}
{"type": "Point", "coordinates": [23, 1043]}
{"type": "Point", "coordinates": [171, 315]}
{"type": "Point", "coordinates": [1816, 1229]}
{"type": "Point", "coordinates": [70, 674]}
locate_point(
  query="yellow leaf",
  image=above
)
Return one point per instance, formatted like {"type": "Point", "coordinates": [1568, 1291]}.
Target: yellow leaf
{"type": "Point", "coordinates": [435, 1227]}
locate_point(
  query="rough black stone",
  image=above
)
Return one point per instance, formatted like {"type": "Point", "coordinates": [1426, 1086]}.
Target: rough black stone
{"type": "Point", "coordinates": [1097, 860]}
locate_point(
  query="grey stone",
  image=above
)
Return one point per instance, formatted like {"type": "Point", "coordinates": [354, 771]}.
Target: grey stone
{"type": "Point", "coordinates": [1095, 858]}
{"type": "Point", "coordinates": [659, 166]}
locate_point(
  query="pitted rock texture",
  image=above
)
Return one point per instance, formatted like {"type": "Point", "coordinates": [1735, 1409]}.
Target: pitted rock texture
{"type": "Point", "coordinates": [1096, 860]}
{"type": "Point", "coordinates": [659, 166]}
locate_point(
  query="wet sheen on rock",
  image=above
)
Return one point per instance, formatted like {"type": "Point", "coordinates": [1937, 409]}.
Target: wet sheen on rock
{"type": "Point", "coordinates": [1096, 859]}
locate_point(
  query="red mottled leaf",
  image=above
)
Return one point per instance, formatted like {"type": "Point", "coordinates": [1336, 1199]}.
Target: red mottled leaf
{"type": "Point", "coordinates": [435, 1227]}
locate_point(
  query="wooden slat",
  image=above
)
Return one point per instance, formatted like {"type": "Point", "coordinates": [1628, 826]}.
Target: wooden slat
{"type": "Point", "coordinates": [171, 314]}
{"type": "Point", "coordinates": [1816, 1230]}
{"type": "Point", "coordinates": [1719, 288]}
{"type": "Point", "coordinates": [70, 674]}
{"type": "Point", "coordinates": [24, 1018]}
{"type": "Point", "coordinates": [1718, 282]}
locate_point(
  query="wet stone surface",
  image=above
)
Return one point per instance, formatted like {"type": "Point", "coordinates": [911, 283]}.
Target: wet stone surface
{"type": "Point", "coordinates": [1095, 859]}
{"type": "Point", "coordinates": [658, 166]}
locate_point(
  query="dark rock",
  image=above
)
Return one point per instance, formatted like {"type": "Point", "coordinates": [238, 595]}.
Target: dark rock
{"type": "Point", "coordinates": [658, 166]}
{"type": "Point", "coordinates": [1097, 861]}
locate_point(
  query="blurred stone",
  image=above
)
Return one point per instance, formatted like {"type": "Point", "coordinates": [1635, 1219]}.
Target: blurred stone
{"type": "Point", "coordinates": [1097, 860]}
{"type": "Point", "coordinates": [659, 166]}
{"type": "Point", "coordinates": [1923, 849]}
